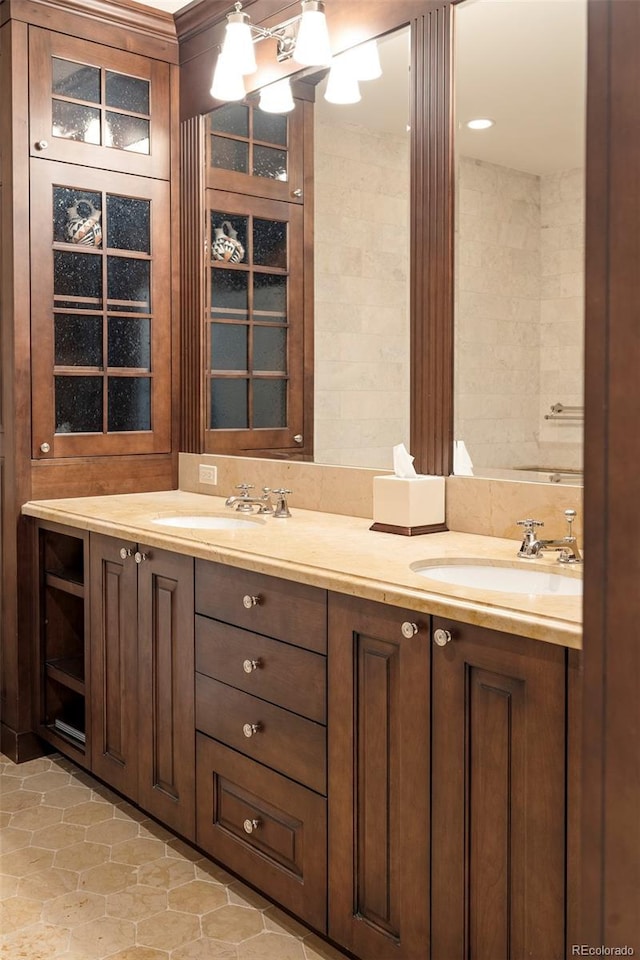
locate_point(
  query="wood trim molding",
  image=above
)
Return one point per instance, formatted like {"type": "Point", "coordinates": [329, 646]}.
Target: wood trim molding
{"type": "Point", "coordinates": [611, 720]}
{"type": "Point", "coordinates": [432, 247]}
{"type": "Point", "coordinates": [192, 294]}
{"type": "Point", "coordinates": [119, 23]}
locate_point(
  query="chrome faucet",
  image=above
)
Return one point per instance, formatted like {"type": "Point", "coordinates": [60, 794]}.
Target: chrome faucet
{"type": "Point", "coordinates": [532, 547]}
{"type": "Point", "coordinates": [245, 503]}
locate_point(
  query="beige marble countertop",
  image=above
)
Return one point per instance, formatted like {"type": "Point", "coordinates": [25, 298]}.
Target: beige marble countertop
{"type": "Point", "coordinates": [334, 552]}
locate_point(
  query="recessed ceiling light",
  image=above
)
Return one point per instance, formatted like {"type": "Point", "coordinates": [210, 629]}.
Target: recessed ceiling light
{"type": "Point", "coordinates": [482, 123]}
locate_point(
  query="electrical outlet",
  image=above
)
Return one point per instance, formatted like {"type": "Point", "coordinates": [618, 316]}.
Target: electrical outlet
{"type": "Point", "coordinates": [207, 474]}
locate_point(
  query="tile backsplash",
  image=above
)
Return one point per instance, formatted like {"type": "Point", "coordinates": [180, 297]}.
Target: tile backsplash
{"type": "Point", "coordinates": [473, 505]}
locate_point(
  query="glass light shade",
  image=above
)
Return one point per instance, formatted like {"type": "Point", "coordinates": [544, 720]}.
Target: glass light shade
{"type": "Point", "coordinates": [364, 61]}
{"type": "Point", "coordinates": [227, 81]}
{"type": "Point", "coordinates": [277, 97]}
{"type": "Point", "coordinates": [342, 86]}
{"type": "Point", "coordinates": [313, 47]}
{"type": "Point", "coordinates": [238, 45]}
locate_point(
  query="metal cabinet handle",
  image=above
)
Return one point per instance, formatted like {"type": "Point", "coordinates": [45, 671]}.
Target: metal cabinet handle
{"type": "Point", "coordinates": [442, 637]}
{"type": "Point", "coordinates": [250, 729]}
{"type": "Point", "coordinates": [249, 602]}
{"type": "Point", "coordinates": [250, 825]}
{"type": "Point", "coordinates": [298, 438]}
{"type": "Point", "coordinates": [125, 552]}
{"type": "Point", "coordinates": [409, 629]}
{"type": "Point", "coordinates": [45, 447]}
{"type": "Point", "coordinates": [41, 144]}
{"type": "Point", "coordinates": [250, 665]}
{"type": "Point", "coordinates": [139, 557]}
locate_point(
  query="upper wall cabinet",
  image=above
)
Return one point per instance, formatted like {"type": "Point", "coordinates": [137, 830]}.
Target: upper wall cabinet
{"type": "Point", "coordinates": [98, 106]}
{"type": "Point", "coordinates": [252, 152]}
{"type": "Point", "coordinates": [100, 316]}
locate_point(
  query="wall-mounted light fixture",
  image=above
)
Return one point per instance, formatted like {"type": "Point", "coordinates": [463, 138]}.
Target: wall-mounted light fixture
{"type": "Point", "coordinates": [305, 39]}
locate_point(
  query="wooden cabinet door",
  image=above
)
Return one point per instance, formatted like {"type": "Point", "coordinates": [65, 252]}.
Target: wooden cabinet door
{"type": "Point", "coordinates": [378, 781]}
{"type": "Point", "coordinates": [98, 106]}
{"type": "Point", "coordinates": [498, 814]}
{"type": "Point", "coordinates": [166, 731]}
{"type": "Point", "coordinates": [254, 330]}
{"type": "Point", "coordinates": [251, 152]}
{"type": "Point", "coordinates": [101, 313]}
{"type": "Point", "coordinates": [114, 663]}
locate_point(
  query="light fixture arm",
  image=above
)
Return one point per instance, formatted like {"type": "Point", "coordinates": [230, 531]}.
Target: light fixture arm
{"type": "Point", "coordinates": [285, 34]}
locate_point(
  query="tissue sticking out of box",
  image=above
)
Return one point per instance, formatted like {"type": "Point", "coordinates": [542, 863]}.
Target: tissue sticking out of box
{"type": "Point", "coordinates": [403, 462]}
{"type": "Point", "coordinates": [462, 465]}
{"type": "Point", "coordinates": [408, 502]}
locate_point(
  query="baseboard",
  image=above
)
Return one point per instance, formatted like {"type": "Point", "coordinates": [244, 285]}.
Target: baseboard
{"type": "Point", "coordinates": [21, 747]}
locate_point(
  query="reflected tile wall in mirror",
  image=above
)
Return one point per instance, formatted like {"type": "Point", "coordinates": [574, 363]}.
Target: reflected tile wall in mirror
{"type": "Point", "coordinates": [362, 267]}
{"type": "Point", "coordinates": [519, 306]}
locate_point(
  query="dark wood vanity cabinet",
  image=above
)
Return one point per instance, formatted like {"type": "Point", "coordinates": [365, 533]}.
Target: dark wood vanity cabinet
{"type": "Point", "coordinates": [142, 700]}
{"type": "Point", "coordinates": [498, 796]}
{"type": "Point", "coordinates": [261, 733]}
{"type": "Point", "coordinates": [61, 576]}
{"type": "Point", "coordinates": [398, 781]}
{"type": "Point", "coordinates": [379, 667]}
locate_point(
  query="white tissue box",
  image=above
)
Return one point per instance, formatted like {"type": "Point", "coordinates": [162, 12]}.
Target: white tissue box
{"type": "Point", "coordinates": [408, 501]}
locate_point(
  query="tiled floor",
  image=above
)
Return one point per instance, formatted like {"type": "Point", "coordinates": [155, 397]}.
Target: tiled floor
{"type": "Point", "coordinates": [85, 876]}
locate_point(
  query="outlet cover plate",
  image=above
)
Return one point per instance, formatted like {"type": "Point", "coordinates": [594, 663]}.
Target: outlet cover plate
{"type": "Point", "coordinates": [207, 473]}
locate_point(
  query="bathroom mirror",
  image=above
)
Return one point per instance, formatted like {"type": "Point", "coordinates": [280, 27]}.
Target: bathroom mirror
{"type": "Point", "coordinates": [362, 266]}
{"type": "Point", "coordinates": [519, 237]}
{"type": "Point", "coordinates": [361, 263]}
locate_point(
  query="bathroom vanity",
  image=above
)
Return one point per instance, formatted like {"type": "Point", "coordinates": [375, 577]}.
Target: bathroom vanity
{"type": "Point", "coordinates": [387, 757]}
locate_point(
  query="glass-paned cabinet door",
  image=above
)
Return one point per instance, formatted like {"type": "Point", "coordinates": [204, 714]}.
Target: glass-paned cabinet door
{"type": "Point", "coordinates": [97, 106]}
{"type": "Point", "coordinates": [101, 317]}
{"type": "Point", "coordinates": [254, 337]}
{"type": "Point", "coordinates": [253, 152]}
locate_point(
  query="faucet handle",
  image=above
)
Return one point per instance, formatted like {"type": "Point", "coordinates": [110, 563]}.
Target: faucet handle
{"type": "Point", "coordinates": [282, 507]}
{"type": "Point", "coordinates": [570, 517]}
{"type": "Point", "coordinates": [245, 487]}
{"type": "Point", "coordinates": [529, 524]}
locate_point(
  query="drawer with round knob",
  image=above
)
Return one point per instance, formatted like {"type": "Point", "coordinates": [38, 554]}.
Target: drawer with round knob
{"type": "Point", "coordinates": [288, 676]}
{"type": "Point", "coordinates": [267, 829]}
{"type": "Point", "coordinates": [293, 612]}
{"type": "Point", "coordinates": [278, 738]}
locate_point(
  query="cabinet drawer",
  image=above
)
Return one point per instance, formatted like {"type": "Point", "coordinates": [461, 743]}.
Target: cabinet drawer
{"type": "Point", "coordinates": [284, 741]}
{"type": "Point", "coordinates": [288, 676]}
{"type": "Point", "coordinates": [284, 853]}
{"type": "Point", "coordinates": [293, 612]}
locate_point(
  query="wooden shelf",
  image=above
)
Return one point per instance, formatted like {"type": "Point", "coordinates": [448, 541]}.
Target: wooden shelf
{"type": "Point", "coordinates": [69, 672]}
{"type": "Point", "coordinates": [55, 736]}
{"type": "Point", "coordinates": [67, 584]}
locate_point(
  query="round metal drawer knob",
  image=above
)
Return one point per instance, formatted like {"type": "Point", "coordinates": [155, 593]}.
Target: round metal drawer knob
{"type": "Point", "coordinates": [250, 825]}
{"type": "Point", "coordinates": [249, 602]}
{"type": "Point", "coordinates": [442, 637]}
{"type": "Point", "coordinates": [125, 552]}
{"type": "Point", "coordinates": [409, 629]}
{"type": "Point", "coordinates": [250, 729]}
{"type": "Point", "coordinates": [140, 557]}
{"type": "Point", "coordinates": [45, 447]}
{"type": "Point", "coordinates": [42, 144]}
{"type": "Point", "coordinates": [250, 665]}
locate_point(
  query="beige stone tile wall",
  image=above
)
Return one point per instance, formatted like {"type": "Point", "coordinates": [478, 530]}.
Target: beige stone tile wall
{"type": "Point", "coordinates": [497, 311]}
{"type": "Point", "coordinates": [330, 489]}
{"type": "Point", "coordinates": [493, 507]}
{"type": "Point", "coordinates": [519, 314]}
{"type": "Point", "coordinates": [561, 313]}
{"type": "Point", "coordinates": [473, 505]}
{"type": "Point", "coordinates": [361, 294]}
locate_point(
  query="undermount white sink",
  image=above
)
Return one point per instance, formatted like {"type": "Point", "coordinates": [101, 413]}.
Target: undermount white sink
{"type": "Point", "coordinates": [205, 522]}
{"type": "Point", "coordinates": [502, 579]}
